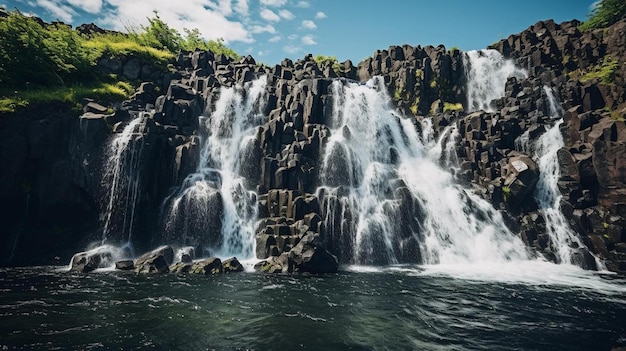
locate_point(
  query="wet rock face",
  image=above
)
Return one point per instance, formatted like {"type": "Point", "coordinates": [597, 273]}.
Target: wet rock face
{"type": "Point", "coordinates": [156, 261]}
{"type": "Point", "coordinates": [591, 167]}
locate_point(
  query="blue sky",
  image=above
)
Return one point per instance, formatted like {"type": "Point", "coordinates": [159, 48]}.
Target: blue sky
{"type": "Point", "coordinates": [271, 30]}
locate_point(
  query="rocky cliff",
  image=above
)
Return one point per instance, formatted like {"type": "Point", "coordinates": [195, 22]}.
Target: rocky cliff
{"type": "Point", "coordinates": [53, 191]}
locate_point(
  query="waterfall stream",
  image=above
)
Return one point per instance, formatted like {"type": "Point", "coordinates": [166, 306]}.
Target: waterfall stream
{"type": "Point", "coordinates": [487, 72]}
{"type": "Point", "coordinates": [563, 241]}
{"type": "Point", "coordinates": [122, 181]}
{"type": "Point", "coordinates": [213, 209]}
{"type": "Point", "coordinates": [388, 188]}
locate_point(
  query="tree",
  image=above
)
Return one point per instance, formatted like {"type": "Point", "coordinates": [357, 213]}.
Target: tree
{"type": "Point", "coordinates": [32, 54]}
{"type": "Point", "coordinates": [159, 35]}
{"type": "Point", "coordinates": [606, 13]}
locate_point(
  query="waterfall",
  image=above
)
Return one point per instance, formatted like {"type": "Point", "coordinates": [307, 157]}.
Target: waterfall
{"type": "Point", "coordinates": [563, 241]}
{"type": "Point", "coordinates": [388, 192]}
{"type": "Point", "coordinates": [487, 72]}
{"type": "Point", "coordinates": [213, 209]}
{"type": "Point", "coordinates": [121, 179]}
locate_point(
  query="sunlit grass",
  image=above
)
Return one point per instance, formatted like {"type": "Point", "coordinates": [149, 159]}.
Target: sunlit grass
{"type": "Point", "coordinates": [104, 92]}
{"type": "Point", "coordinates": [604, 71]}
{"type": "Point", "coordinates": [119, 44]}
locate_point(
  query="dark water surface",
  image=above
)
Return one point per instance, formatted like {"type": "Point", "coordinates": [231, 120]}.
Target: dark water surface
{"type": "Point", "coordinates": [45, 308]}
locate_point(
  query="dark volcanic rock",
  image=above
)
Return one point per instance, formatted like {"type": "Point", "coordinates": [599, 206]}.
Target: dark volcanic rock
{"type": "Point", "coordinates": [156, 261]}
{"type": "Point", "coordinates": [311, 256]}
{"type": "Point", "coordinates": [125, 265]}
{"type": "Point", "coordinates": [85, 262]}
{"type": "Point", "coordinates": [209, 266]}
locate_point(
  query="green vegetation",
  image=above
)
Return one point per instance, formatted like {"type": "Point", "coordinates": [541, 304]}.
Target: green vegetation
{"type": "Point", "coordinates": [506, 192]}
{"type": "Point", "coordinates": [448, 106]}
{"type": "Point", "coordinates": [34, 55]}
{"type": "Point", "coordinates": [42, 62]}
{"type": "Point", "coordinates": [414, 108]}
{"type": "Point", "coordinates": [419, 74]}
{"type": "Point", "coordinates": [159, 35]}
{"type": "Point", "coordinates": [606, 13]}
{"type": "Point", "coordinates": [605, 71]}
{"type": "Point", "coordinates": [433, 83]}
{"type": "Point", "coordinates": [118, 44]}
{"type": "Point", "coordinates": [324, 61]}
{"type": "Point", "coordinates": [103, 92]}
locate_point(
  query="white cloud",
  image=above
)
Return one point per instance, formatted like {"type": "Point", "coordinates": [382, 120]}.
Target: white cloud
{"type": "Point", "coordinates": [275, 3]}
{"type": "Point", "coordinates": [275, 39]}
{"type": "Point", "coordinates": [293, 37]}
{"type": "Point", "coordinates": [256, 29]}
{"type": "Point", "coordinates": [242, 8]}
{"type": "Point", "coordinates": [308, 40]}
{"type": "Point", "coordinates": [61, 12]}
{"type": "Point", "coordinates": [320, 15]}
{"type": "Point", "coordinates": [308, 24]}
{"type": "Point", "coordinates": [91, 6]}
{"type": "Point", "coordinates": [262, 52]}
{"type": "Point", "coordinates": [292, 49]}
{"type": "Point", "coordinates": [208, 16]}
{"type": "Point", "coordinates": [268, 15]}
{"type": "Point", "coordinates": [302, 4]}
{"type": "Point", "coordinates": [223, 7]}
{"type": "Point", "coordinates": [286, 14]}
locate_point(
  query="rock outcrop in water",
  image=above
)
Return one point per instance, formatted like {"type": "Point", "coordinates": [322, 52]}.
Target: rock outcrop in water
{"type": "Point", "coordinates": [55, 163]}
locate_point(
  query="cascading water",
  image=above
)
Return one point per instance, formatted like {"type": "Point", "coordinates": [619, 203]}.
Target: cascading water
{"type": "Point", "coordinates": [563, 241]}
{"type": "Point", "coordinates": [213, 208]}
{"type": "Point", "coordinates": [388, 192]}
{"type": "Point", "coordinates": [122, 182]}
{"type": "Point", "coordinates": [487, 72]}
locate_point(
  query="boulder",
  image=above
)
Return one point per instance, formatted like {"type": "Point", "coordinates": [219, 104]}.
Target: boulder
{"type": "Point", "coordinates": [156, 261]}
{"type": "Point", "coordinates": [274, 264]}
{"type": "Point", "coordinates": [125, 265]}
{"type": "Point", "coordinates": [85, 262]}
{"type": "Point", "coordinates": [209, 266]}
{"type": "Point", "coordinates": [311, 256]}
{"type": "Point", "coordinates": [181, 267]}
{"type": "Point", "coordinates": [521, 179]}
{"type": "Point", "coordinates": [232, 265]}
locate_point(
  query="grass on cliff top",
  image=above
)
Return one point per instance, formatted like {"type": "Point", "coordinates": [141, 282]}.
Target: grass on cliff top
{"type": "Point", "coordinates": [42, 62]}
{"type": "Point", "coordinates": [116, 44]}
{"type": "Point", "coordinates": [103, 92]}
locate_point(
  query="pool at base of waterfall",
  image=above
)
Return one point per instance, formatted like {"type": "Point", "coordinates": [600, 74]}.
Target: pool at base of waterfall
{"type": "Point", "coordinates": [512, 307]}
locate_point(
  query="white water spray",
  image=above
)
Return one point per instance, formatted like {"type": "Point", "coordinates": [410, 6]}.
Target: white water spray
{"type": "Point", "coordinates": [213, 207]}
{"type": "Point", "coordinates": [122, 181]}
{"type": "Point", "coordinates": [564, 242]}
{"type": "Point", "coordinates": [487, 72]}
{"type": "Point", "coordinates": [389, 187]}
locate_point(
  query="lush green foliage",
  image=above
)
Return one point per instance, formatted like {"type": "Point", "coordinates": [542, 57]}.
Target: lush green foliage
{"type": "Point", "coordinates": [118, 44]}
{"type": "Point", "coordinates": [103, 92]}
{"type": "Point", "coordinates": [32, 55]}
{"type": "Point", "coordinates": [160, 35]}
{"type": "Point", "coordinates": [605, 71]}
{"type": "Point", "coordinates": [448, 106]}
{"type": "Point", "coordinates": [42, 62]}
{"type": "Point", "coordinates": [324, 61]}
{"type": "Point", "coordinates": [606, 13]}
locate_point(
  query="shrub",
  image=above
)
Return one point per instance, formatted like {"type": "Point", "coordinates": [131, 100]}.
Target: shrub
{"type": "Point", "coordinates": [448, 106]}
{"type": "Point", "coordinates": [324, 61]}
{"type": "Point", "coordinates": [606, 13]}
{"type": "Point", "coordinates": [34, 55]}
{"type": "Point", "coordinates": [605, 71]}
